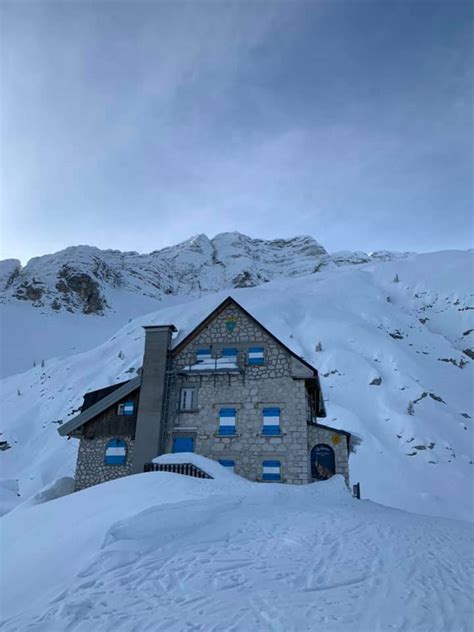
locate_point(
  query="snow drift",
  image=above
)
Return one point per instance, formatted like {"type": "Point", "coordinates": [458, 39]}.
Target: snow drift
{"type": "Point", "coordinates": [167, 553]}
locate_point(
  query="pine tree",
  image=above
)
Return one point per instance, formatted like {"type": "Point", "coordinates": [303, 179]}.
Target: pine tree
{"type": "Point", "coordinates": [396, 279]}
{"type": "Point", "coordinates": [42, 364]}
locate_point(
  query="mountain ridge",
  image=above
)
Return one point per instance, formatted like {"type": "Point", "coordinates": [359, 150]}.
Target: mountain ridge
{"type": "Point", "coordinates": [83, 278]}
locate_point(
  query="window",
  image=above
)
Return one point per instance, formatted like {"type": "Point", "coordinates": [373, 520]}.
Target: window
{"type": "Point", "coordinates": [256, 355]}
{"type": "Point", "coordinates": [227, 463]}
{"type": "Point", "coordinates": [203, 354]}
{"type": "Point", "coordinates": [230, 354]}
{"type": "Point", "coordinates": [271, 471]}
{"type": "Point", "coordinates": [271, 421]}
{"type": "Point", "coordinates": [187, 400]}
{"type": "Point", "coordinates": [115, 452]}
{"type": "Point", "coordinates": [227, 421]}
{"type": "Point", "coordinates": [126, 408]}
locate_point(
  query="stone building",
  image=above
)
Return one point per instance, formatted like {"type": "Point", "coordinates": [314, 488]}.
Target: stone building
{"type": "Point", "coordinates": [229, 390]}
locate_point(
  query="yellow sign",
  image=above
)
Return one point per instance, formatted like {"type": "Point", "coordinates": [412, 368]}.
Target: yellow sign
{"type": "Point", "coordinates": [336, 439]}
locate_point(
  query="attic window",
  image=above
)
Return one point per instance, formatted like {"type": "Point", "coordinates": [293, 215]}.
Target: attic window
{"type": "Point", "coordinates": [203, 354]}
{"type": "Point", "coordinates": [115, 452]}
{"type": "Point", "coordinates": [126, 408]}
{"type": "Point", "coordinates": [256, 355]}
{"type": "Point", "coordinates": [230, 354]}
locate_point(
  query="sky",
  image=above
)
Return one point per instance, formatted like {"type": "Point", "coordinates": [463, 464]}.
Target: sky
{"type": "Point", "coordinates": [135, 125]}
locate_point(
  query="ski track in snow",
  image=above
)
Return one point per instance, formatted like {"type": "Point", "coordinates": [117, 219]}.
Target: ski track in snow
{"type": "Point", "coordinates": [267, 558]}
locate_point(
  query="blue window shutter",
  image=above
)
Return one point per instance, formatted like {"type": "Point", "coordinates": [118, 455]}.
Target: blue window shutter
{"type": "Point", "coordinates": [129, 408]}
{"type": "Point", "coordinates": [271, 471]}
{"type": "Point", "coordinates": [227, 463]}
{"type": "Point", "coordinates": [271, 421]}
{"type": "Point", "coordinates": [227, 421]}
{"type": "Point", "coordinates": [256, 355]}
{"type": "Point", "coordinates": [115, 452]}
{"type": "Point", "coordinates": [230, 353]}
{"type": "Point", "coordinates": [203, 354]}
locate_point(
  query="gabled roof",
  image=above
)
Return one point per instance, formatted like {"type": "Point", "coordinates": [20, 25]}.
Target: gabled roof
{"type": "Point", "coordinates": [109, 400]}
{"type": "Point", "coordinates": [225, 303]}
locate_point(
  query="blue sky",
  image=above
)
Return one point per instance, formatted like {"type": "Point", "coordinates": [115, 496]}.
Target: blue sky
{"type": "Point", "coordinates": [135, 125]}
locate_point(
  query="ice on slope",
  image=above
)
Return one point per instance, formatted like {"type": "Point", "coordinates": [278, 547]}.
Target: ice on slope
{"type": "Point", "coordinates": [168, 553]}
{"type": "Point", "coordinates": [420, 462]}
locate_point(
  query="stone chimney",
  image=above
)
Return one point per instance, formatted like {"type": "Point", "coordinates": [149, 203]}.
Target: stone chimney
{"type": "Point", "coordinates": [149, 430]}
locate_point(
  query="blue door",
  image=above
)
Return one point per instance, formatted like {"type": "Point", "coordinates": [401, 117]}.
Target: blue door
{"type": "Point", "coordinates": [322, 462]}
{"type": "Point", "coordinates": [183, 444]}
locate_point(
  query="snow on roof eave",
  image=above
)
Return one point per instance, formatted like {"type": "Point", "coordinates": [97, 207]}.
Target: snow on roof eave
{"type": "Point", "coordinates": [98, 407]}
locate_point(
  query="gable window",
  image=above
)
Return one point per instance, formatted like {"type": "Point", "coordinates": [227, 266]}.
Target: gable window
{"type": "Point", "coordinates": [187, 399]}
{"type": "Point", "coordinates": [115, 452]}
{"type": "Point", "coordinates": [271, 471]}
{"type": "Point", "coordinates": [203, 355]}
{"type": "Point", "coordinates": [126, 408]}
{"type": "Point", "coordinates": [230, 354]}
{"type": "Point", "coordinates": [271, 421]}
{"type": "Point", "coordinates": [227, 463]}
{"type": "Point", "coordinates": [256, 355]}
{"type": "Point", "coordinates": [227, 421]}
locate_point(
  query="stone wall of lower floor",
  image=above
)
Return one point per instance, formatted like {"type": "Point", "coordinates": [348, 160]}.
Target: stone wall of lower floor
{"type": "Point", "coordinates": [91, 468]}
{"type": "Point", "coordinates": [293, 454]}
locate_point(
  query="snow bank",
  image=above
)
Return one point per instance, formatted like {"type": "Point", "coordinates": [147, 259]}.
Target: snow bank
{"type": "Point", "coordinates": [167, 553]}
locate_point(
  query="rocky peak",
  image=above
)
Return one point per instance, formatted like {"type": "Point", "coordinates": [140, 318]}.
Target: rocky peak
{"type": "Point", "coordinates": [83, 278]}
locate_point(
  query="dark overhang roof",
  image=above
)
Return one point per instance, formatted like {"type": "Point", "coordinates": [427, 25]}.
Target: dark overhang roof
{"type": "Point", "coordinates": [99, 406]}
{"type": "Point", "coordinates": [94, 396]}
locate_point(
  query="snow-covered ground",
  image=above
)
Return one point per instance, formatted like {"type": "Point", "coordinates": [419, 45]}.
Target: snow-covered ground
{"type": "Point", "coordinates": [170, 553]}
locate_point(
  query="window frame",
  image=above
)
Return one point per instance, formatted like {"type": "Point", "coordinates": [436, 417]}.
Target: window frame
{"type": "Point", "coordinates": [227, 430]}
{"type": "Point", "coordinates": [116, 459]}
{"type": "Point", "coordinates": [193, 406]}
{"type": "Point", "coordinates": [271, 430]}
{"type": "Point", "coordinates": [271, 476]}
{"type": "Point", "coordinates": [256, 361]}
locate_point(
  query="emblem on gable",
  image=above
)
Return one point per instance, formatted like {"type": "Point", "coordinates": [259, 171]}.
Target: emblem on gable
{"type": "Point", "coordinates": [231, 323]}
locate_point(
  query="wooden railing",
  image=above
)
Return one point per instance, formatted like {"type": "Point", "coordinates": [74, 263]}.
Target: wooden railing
{"type": "Point", "coordinates": [188, 469]}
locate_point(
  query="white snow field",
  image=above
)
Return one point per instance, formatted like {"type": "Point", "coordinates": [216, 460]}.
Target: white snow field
{"type": "Point", "coordinates": [171, 553]}
{"type": "Point", "coordinates": [392, 367]}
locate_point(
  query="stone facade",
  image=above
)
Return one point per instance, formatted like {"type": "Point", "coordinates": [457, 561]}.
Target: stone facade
{"type": "Point", "coordinates": [281, 382]}
{"type": "Point", "coordinates": [94, 436]}
{"type": "Point", "coordinates": [91, 468]}
{"type": "Point", "coordinates": [256, 387]}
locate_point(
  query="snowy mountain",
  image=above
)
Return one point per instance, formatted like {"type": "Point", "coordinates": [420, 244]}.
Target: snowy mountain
{"type": "Point", "coordinates": [95, 292]}
{"type": "Point", "coordinates": [82, 278]}
{"type": "Point", "coordinates": [168, 553]}
{"type": "Point", "coordinates": [395, 364]}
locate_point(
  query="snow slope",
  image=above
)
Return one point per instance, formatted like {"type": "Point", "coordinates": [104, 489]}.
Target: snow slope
{"type": "Point", "coordinates": [103, 289]}
{"type": "Point", "coordinates": [169, 553]}
{"type": "Point", "coordinates": [401, 386]}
